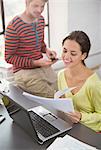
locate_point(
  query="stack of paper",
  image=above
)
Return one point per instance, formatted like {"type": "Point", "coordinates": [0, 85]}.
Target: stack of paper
{"type": "Point", "coordinates": [69, 143]}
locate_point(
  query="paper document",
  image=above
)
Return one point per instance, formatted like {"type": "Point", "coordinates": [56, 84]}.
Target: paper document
{"type": "Point", "coordinates": [69, 143]}
{"type": "Point", "coordinates": [63, 104]}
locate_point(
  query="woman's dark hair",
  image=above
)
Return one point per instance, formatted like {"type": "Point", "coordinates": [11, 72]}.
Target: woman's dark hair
{"type": "Point", "coordinates": [82, 39]}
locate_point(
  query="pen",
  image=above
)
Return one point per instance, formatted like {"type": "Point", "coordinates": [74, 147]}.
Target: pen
{"type": "Point", "coordinates": [53, 58]}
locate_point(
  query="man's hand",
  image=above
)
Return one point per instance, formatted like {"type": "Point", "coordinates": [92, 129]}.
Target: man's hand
{"type": "Point", "coordinates": [51, 55]}
{"type": "Point", "coordinates": [42, 62]}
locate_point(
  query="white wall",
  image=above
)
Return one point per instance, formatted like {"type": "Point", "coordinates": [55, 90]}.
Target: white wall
{"type": "Point", "coordinates": [100, 22]}
{"type": "Point", "coordinates": [58, 12]}
{"type": "Point", "coordinates": [86, 15]}
{"type": "Point", "coordinates": [68, 15]}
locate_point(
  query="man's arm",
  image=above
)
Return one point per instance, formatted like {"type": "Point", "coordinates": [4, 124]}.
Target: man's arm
{"type": "Point", "coordinates": [11, 47]}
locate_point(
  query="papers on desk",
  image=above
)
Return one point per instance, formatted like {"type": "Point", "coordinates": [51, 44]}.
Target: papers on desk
{"type": "Point", "coordinates": [69, 143]}
{"type": "Point", "coordinates": [63, 104]}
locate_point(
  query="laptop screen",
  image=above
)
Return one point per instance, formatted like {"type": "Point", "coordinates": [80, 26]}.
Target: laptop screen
{"type": "Point", "coordinates": [22, 118]}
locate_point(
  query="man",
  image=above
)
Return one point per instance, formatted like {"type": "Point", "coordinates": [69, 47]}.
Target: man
{"type": "Point", "coordinates": [24, 45]}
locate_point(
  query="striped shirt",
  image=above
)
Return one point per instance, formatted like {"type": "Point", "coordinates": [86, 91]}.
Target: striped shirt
{"type": "Point", "coordinates": [24, 43]}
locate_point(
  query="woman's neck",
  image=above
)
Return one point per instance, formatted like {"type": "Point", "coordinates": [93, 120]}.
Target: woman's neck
{"type": "Point", "coordinates": [78, 72]}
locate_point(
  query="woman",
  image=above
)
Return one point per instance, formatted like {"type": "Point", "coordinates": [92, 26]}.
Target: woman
{"type": "Point", "coordinates": [87, 94]}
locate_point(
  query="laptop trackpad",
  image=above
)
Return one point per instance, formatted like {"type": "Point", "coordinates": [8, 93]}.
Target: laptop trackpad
{"type": "Point", "coordinates": [50, 117]}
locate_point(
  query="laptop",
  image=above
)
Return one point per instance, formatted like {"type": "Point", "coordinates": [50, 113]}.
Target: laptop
{"type": "Point", "coordinates": [38, 122]}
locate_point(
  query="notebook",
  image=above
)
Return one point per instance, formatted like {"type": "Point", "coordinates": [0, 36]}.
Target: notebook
{"type": "Point", "coordinates": [38, 121]}
{"type": "Point", "coordinates": [69, 143]}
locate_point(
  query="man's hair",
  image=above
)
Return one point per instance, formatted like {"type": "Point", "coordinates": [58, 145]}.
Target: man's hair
{"type": "Point", "coordinates": [28, 1]}
{"type": "Point", "coordinates": [42, 0]}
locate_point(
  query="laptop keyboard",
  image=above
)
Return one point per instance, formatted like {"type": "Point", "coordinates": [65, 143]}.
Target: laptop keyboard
{"type": "Point", "coordinates": [42, 126]}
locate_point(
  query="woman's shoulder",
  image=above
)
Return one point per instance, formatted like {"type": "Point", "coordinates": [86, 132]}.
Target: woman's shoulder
{"type": "Point", "coordinates": [94, 81]}
{"type": "Point", "coordinates": [94, 77]}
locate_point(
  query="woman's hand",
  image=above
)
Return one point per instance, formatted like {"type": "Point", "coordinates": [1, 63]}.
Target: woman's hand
{"type": "Point", "coordinates": [75, 117]}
